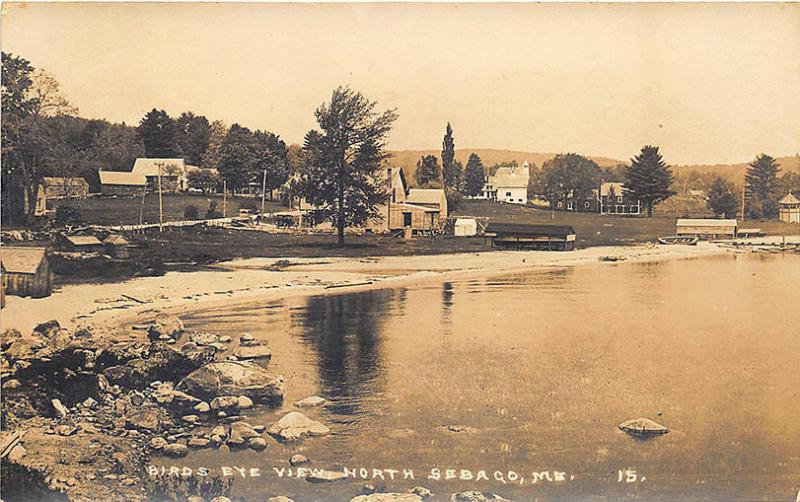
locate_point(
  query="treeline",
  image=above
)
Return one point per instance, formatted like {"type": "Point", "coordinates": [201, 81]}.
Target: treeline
{"type": "Point", "coordinates": [42, 135]}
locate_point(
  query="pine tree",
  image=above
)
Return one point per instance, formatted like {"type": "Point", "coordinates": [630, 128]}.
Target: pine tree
{"type": "Point", "coordinates": [449, 168]}
{"type": "Point", "coordinates": [427, 173]}
{"type": "Point", "coordinates": [343, 178]}
{"type": "Point", "coordinates": [474, 176]}
{"type": "Point", "coordinates": [762, 187]}
{"type": "Point", "coordinates": [649, 178]}
{"type": "Point", "coordinates": [159, 134]}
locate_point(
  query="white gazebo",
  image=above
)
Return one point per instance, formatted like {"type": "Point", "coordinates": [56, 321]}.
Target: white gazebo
{"type": "Point", "coordinates": [789, 209]}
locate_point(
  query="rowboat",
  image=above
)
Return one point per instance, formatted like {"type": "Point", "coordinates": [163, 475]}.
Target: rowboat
{"type": "Point", "coordinates": [689, 240]}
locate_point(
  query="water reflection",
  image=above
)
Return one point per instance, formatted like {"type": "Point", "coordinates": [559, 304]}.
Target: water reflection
{"type": "Point", "coordinates": [344, 331]}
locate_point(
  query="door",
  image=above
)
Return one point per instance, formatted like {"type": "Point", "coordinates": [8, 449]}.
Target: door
{"type": "Point", "coordinates": [406, 219]}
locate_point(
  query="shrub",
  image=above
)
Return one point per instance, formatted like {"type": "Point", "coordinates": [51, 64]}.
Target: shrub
{"type": "Point", "coordinates": [68, 215]}
{"type": "Point", "coordinates": [249, 204]}
{"type": "Point", "coordinates": [191, 212]}
{"type": "Point", "coordinates": [212, 210]}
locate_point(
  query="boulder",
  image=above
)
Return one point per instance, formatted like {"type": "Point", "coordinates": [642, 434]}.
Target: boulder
{"type": "Point", "coordinates": [642, 427]}
{"type": "Point", "coordinates": [48, 329]}
{"type": "Point", "coordinates": [233, 378]}
{"type": "Point", "coordinates": [244, 402]}
{"type": "Point", "coordinates": [294, 425]}
{"type": "Point", "coordinates": [254, 352]}
{"type": "Point", "coordinates": [198, 442]}
{"type": "Point", "coordinates": [8, 337]}
{"type": "Point", "coordinates": [150, 418]}
{"type": "Point", "coordinates": [158, 443]}
{"type": "Point", "coordinates": [225, 403]}
{"type": "Point", "coordinates": [310, 402]}
{"type": "Point", "coordinates": [474, 496]}
{"type": "Point", "coordinates": [203, 338]}
{"type": "Point", "coordinates": [298, 459]}
{"type": "Point", "coordinates": [202, 407]}
{"type": "Point", "coordinates": [421, 491]}
{"type": "Point", "coordinates": [242, 430]}
{"type": "Point", "coordinates": [165, 325]}
{"type": "Point", "coordinates": [176, 450]}
{"type": "Point", "coordinates": [257, 444]}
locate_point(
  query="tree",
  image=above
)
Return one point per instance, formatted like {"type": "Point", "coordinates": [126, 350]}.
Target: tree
{"type": "Point", "coordinates": [159, 133]}
{"type": "Point", "coordinates": [428, 172]}
{"type": "Point", "coordinates": [762, 187]}
{"type": "Point", "coordinates": [474, 175]}
{"type": "Point", "coordinates": [722, 198]}
{"type": "Point", "coordinates": [790, 183]}
{"type": "Point", "coordinates": [649, 179]}
{"type": "Point", "coordinates": [193, 133]}
{"type": "Point", "coordinates": [567, 175]}
{"type": "Point", "coordinates": [45, 91]}
{"type": "Point", "coordinates": [238, 157]}
{"type": "Point", "coordinates": [450, 171]}
{"type": "Point", "coordinates": [270, 156]}
{"type": "Point", "coordinates": [203, 179]}
{"type": "Point", "coordinates": [343, 179]}
{"type": "Point", "coordinates": [211, 158]}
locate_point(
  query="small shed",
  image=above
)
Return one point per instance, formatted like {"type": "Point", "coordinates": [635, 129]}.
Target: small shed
{"type": "Point", "coordinates": [465, 227]}
{"type": "Point", "coordinates": [707, 228]}
{"type": "Point", "coordinates": [83, 243]}
{"type": "Point", "coordinates": [26, 271]}
{"type": "Point", "coordinates": [116, 246]}
{"type": "Point", "coordinates": [522, 236]}
{"type": "Point", "coordinates": [789, 209]}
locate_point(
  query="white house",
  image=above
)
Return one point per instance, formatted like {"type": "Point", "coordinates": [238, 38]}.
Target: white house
{"type": "Point", "coordinates": [508, 184]}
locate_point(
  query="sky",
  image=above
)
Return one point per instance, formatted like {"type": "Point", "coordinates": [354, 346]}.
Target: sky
{"type": "Point", "coordinates": [708, 83]}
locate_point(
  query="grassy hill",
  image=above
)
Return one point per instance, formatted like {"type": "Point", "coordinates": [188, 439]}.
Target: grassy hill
{"type": "Point", "coordinates": [735, 172]}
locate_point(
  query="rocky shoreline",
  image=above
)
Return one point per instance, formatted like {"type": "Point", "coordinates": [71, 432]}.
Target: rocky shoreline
{"type": "Point", "coordinates": [84, 412]}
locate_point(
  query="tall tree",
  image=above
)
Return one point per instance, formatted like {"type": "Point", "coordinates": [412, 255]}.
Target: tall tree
{"type": "Point", "coordinates": [450, 172]}
{"type": "Point", "coordinates": [211, 158]}
{"type": "Point", "coordinates": [344, 177]}
{"type": "Point", "coordinates": [474, 175]}
{"type": "Point", "coordinates": [722, 198]}
{"type": "Point", "coordinates": [790, 183]}
{"type": "Point", "coordinates": [762, 187]}
{"type": "Point", "coordinates": [159, 134]}
{"type": "Point", "coordinates": [193, 133]}
{"type": "Point", "coordinates": [271, 157]}
{"type": "Point", "coordinates": [649, 178]}
{"type": "Point", "coordinates": [238, 157]}
{"type": "Point", "coordinates": [428, 172]}
{"type": "Point", "coordinates": [568, 175]}
{"type": "Point", "coordinates": [46, 93]}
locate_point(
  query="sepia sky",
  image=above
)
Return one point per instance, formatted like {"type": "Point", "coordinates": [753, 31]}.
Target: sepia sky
{"type": "Point", "coordinates": [707, 82]}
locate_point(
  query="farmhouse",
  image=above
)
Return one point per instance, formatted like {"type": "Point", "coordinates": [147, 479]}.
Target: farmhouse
{"type": "Point", "coordinates": [121, 183]}
{"type": "Point", "coordinates": [26, 271]}
{"type": "Point", "coordinates": [707, 228]}
{"type": "Point", "coordinates": [589, 204]}
{"type": "Point", "coordinates": [172, 171]}
{"type": "Point", "coordinates": [614, 200]}
{"type": "Point", "coordinates": [422, 210]}
{"type": "Point", "coordinates": [508, 184]}
{"type": "Point", "coordinates": [520, 236]}
{"type": "Point", "coordinates": [789, 209]}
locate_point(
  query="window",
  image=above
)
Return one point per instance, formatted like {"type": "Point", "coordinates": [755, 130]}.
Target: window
{"type": "Point", "coordinates": [508, 194]}
{"type": "Point", "coordinates": [569, 205]}
{"type": "Point", "coordinates": [619, 199]}
{"type": "Point", "coordinates": [586, 205]}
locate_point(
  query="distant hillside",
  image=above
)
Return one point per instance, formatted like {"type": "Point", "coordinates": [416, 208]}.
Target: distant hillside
{"type": "Point", "coordinates": [407, 159]}
{"type": "Point", "coordinates": [735, 172]}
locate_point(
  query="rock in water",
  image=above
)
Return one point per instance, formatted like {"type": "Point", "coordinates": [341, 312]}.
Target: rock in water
{"type": "Point", "coordinates": [311, 402]}
{"type": "Point", "coordinates": [388, 497]}
{"type": "Point", "coordinates": [477, 497]}
{"type": "Point", "coordinates": [254, 352]}
{"type": "Point", "coordinates": [642, 427]}
{"type": "Point", "coordinates": [165, 325]}
{"type": "Point", "coordinates": [233, 378]}
{"type": "Point", "coordinates": [295, 425]}
{"type": "Point", "coordinates": [298, 459]}
{"type": "Point", "coordinates": [176, 450]}
{"type": "Point", "coordinates": [48, 329]}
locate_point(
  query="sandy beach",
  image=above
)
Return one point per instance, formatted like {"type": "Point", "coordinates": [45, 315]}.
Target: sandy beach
{"type": "Point", "coordinates": [264, 279]}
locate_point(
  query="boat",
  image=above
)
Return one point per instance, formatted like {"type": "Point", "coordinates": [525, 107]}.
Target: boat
{"type": "Point", "coordinates": [689, 240]}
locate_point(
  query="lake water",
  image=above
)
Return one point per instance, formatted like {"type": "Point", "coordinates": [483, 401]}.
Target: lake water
{"type": "Point", "coordinates": [538, 369]}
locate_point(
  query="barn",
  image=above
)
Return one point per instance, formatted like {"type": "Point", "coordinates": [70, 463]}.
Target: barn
{"type": "Point", "coordinates": [63, 188]}
{"type": "Point", "coordinates": [26, 271]}
{"type": "Point", "coordinates": [707, 228]}
{"type": "Point", "coordinates": [121, 183]}
{"type": "Point", "coordinates": [525, 236]}
{"type": "Point", "coordinates": [82, 243]}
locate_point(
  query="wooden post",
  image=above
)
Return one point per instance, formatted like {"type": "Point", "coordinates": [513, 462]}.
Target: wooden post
{"type": "Point", "coordinates": [744, 190]}
{"type": "Point", "coordinates": [263, 191]}
{"type": "Point", "coordinates": [141, 208]}
{"type": "Point", "coordinates": [160, 202]}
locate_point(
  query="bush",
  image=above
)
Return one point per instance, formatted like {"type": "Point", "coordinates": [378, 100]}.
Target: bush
{"type": "Point", "coordinates": [68, 215]}
{"type": "Point", "coordinates": [249, 204]}
{"type": "Point", "coordinates": [212, 210]}
{"type": "Point", "coordinates": [191, 212]}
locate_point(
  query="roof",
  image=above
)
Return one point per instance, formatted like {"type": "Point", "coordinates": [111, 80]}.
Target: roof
{"type": "Point", "coordinates": [121, 178]}
{"type": "Point", "coordinates": [526, 229]}
{"type": "Point", "coordinates": [150, 167]}
{"type": "Point", "coordinates": [405, 205]}
{"type": "Point", "coordinates": [116, 240]}
{"type": "Point", "coordinates": [50, 180]}
{"type": "Point", "coordinates": [605, 188]}
{"type": "Point", "coordinates": [510, 177]}
{"type": "Point", "coordinates": [21, 260]}
{"type": "Point", "coordinates": [707, 222]}
{"type": "Point", "coordinates": [83, 240]}
{"type": "Point", "coordinates": [789, 199]}
{"type": "Point", "coordinates": [425, 196]}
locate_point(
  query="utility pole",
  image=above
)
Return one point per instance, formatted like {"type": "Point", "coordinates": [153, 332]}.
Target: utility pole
{"type": "Point", "coordinates": [160, 202]}
{"type": "Point", "coordinates": [224, 198]}
{"type": "Point", "coordinates": [141, 207]}
{"type": "Point", "coordinates": [744, 189]}
{"type": "Point", "coordinates": [263, 191]}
